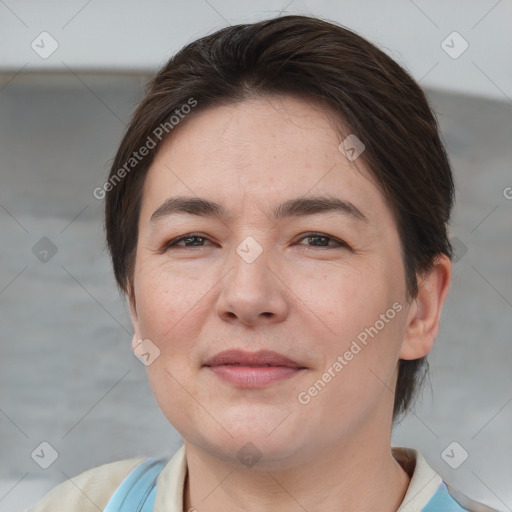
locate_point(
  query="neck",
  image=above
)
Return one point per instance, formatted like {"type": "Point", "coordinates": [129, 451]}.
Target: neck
{"type": "Point", "coordinates": [353, 477]}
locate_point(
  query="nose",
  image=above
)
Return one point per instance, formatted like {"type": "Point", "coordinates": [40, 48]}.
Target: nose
{"type": "Point", "coordinates": [253, 291]}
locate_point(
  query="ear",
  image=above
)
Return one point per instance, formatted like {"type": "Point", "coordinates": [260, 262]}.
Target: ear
{"type": "Point", "coordinates": [134, 316]}
{"type": "Point", "coordinates": [425, 311]}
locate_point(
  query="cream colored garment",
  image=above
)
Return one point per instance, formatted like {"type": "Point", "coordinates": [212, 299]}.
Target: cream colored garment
{"type": "Point", "coordinates": [90, 491]}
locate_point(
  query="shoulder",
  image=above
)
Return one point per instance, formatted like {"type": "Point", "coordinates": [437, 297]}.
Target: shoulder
{"type": "Point", "coordinates": [427, 491]}
{"type": "Point", "coordinates": [88, 491]}
{"type": "Point", "coordinates": [467, 503]}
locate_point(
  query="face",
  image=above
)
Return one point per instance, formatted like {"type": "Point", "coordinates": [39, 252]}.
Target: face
{"type": "Point", "coordinates": [321, 285]}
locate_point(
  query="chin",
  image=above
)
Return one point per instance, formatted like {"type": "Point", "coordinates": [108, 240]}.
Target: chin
{"type": "Point", "coordinates": [252, 447]}
{"type": "Point", "coordinates": [255, 454]}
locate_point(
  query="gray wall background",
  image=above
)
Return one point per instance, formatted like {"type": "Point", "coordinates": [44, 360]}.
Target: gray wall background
{"type": "Point", "coordinates": [67, 373]}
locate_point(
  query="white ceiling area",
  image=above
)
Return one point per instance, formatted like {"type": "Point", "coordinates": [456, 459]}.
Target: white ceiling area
{"type": "Point", "coordinates": [460, 46]}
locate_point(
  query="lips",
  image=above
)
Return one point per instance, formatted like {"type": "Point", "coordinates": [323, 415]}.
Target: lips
{"type": "Point", "coordinates": [263, 358]}
{"type": "Point", "coordinates": [252, 370]}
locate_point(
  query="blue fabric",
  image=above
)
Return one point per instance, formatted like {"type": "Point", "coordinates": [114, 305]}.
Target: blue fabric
{"type": "Point", "coordinates": [442, 501]}
{"type": "Point", "coordinates": [137, 492]}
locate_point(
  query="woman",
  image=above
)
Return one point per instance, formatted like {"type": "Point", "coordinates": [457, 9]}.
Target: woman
{"type": "Point", "coordinates": [277, 217]}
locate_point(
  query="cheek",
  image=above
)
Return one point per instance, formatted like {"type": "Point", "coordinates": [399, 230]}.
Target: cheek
{"type": "Point", "coordinates": [167, 301]}
{"type": "Point", "coordinates": [364, 312]}
{"type": "Point", "coordinates": [360, 370]}
{"type": "Point", "coordinates": [348, 298]}
{"type": "Point", "coordinates": [168, 311]}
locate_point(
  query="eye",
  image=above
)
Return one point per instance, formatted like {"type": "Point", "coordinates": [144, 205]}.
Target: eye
{"type": "Point", "coordinates": [198, 240]}
{"type": "Point", "coordinates": [322, 240]}
{"type": "Point", "coordinates": [188, 240]}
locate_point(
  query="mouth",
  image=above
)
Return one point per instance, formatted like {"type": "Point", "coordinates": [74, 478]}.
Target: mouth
{"type": "Point", "coordinates": [252, 369]}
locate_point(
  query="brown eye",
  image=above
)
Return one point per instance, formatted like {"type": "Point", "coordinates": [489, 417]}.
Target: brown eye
{"type": "Point", "coordinates": [188, 240]}
{"type": "Point", "coordinates": [323, 240]}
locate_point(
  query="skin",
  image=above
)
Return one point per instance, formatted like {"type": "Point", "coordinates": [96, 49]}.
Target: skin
{"type": "Point", "coordinates": [306, 298]}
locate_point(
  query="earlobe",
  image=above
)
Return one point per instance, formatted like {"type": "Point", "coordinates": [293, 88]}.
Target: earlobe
{"type": "Point", "coordinates": [133, 314]}
{"type": "Point", "coordinates": [425, 311]}
{"type": "Point", "coordinates": [135, 341]}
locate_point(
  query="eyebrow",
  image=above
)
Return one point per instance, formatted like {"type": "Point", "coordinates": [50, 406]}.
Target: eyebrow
{"type": "Point", "coordinates": [298, 207]}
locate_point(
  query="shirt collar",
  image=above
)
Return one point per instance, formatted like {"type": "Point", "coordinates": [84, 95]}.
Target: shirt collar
{"type": "Point", "coordinates": [424, 480]}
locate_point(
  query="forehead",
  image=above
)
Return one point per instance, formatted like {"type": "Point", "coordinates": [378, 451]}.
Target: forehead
{"type": "Point", "coordinates": [256, 151]}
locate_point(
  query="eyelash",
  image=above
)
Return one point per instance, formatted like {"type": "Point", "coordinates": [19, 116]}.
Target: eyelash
{"type": "Point", "coordinates": [173, 243]}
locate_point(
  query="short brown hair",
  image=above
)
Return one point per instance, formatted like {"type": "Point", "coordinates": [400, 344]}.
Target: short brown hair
{"type": "Point", "coordinates": [372, 95]}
